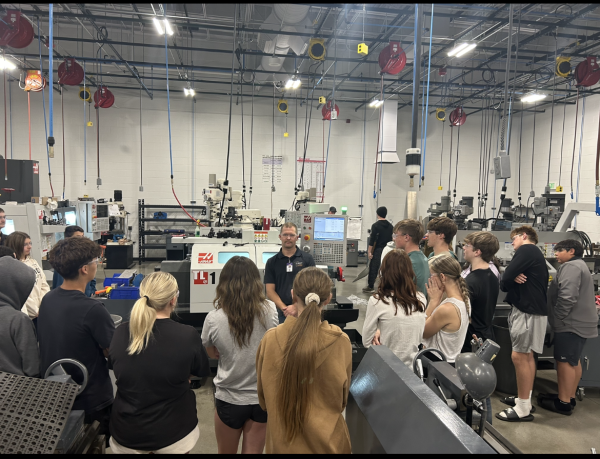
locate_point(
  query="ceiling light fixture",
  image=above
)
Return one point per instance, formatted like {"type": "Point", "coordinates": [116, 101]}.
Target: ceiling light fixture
{"type": "Point", "coordinates": [375, 103]}
{"type": "Point", "coordinates": [461, 49]}
{"type": "Point", "coordinates": [293, 83]}
{"type": "Point", "coordinates": [5, 64]}
{"type": "Point", "coordinates": [162, 25]}
{"type": "Point", "coordinates": [189, 92]}
{"type": "Point", "coordinates": [533, 97]}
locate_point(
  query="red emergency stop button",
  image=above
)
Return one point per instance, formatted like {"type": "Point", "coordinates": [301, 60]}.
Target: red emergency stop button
{"type": "Point", "coordinates": [306, 237]}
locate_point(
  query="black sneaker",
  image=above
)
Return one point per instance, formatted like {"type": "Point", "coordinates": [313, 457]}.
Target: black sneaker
{"type": "Point", "coordinates": [368, 290]}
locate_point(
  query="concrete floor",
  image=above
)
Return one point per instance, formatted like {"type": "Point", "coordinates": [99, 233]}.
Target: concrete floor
{"type": "Point", "coordinates": [548, 433]}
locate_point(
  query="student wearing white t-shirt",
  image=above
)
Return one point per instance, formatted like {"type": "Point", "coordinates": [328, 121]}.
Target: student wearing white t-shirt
{"type": "Point", "coordinates": [448, 309]}
{"type": "Point", "coordinates": [396, 312]}
{"type": "Point", "coordinates": [232, 333]}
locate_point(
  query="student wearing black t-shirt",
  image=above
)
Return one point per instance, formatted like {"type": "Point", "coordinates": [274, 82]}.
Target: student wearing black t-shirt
{"type": "Point", "coordinates": [526, 282]}
{"type": "Point", "coordinates": [73, 326]}
{"type": "Point", "coordinates": [479, 250]}
{"type": "Point", "coordinates": [153, 357]}
{"type": "Point", "coordinates": [381, 234]}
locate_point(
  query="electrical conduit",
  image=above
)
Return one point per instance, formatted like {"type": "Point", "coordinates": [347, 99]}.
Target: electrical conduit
{"type": "Point", "coordinates": [44, 106]}
{"type": "Point", "coordinates": [427, 103]}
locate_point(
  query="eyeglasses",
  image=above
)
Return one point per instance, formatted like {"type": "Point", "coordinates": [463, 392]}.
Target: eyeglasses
{"type": "Point", "coordinates": [467, 245]}
{"type": "Point", "coordinates": [289, 236]}
{"type": "Point", "coordinates": [431, 232]}
{"type": "Point", "coordinates": [95, 260]}
{"type": "Point", "coordinates": [516, 235]}
{"type": "Point", "coordinates": [28, 244]}
{"type": "Point", "coordinates": [397, 235]}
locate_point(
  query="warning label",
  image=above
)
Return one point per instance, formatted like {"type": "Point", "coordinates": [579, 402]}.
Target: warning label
{"type": "Point", "coordinates": [307, 219]}
{"type": "Point", "coordinates": [200, 277]}
{"type": "Point", "coordinates": [36, 168]}
{"type": "Point", "coordinates": [205, 258]}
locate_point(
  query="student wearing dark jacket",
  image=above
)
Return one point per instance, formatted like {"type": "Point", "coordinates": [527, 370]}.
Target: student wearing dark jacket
{"type": "Point", "coordinates": [381, 234]}
{"type": "Point", "coordinates": [18, 344]}
{"type": "Point", "coordinates": [526, 283]}
{"type": "Point", "coordinates": [573, 318]}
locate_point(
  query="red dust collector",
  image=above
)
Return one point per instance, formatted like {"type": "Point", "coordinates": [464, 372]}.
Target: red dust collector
{"type": "Point", "coordinates": [70, 72]}
{"type": "Point", "coordinates": [587, 73]}
{"type": "Point", "coordinates": [392, 58]}
{"type": "Point", "coordinates": [15, 30]}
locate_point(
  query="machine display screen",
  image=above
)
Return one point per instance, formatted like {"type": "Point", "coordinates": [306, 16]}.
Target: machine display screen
{"type": "Point", "coordinates": [70, 218]}
{"type": "Point", "coordinates": [9, 228]}
{"type": "Point", "coordinates": [102, 210]}
{"type": "Point", "coordinates": [224, 257]}
{"type": "Point", "coordinates": [267, 255]}
{"type": "Point", "coordinates": [329, 229]}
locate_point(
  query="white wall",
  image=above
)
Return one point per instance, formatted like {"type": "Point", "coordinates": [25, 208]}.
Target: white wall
{"type": "Point", "coordinates": [120, 153]}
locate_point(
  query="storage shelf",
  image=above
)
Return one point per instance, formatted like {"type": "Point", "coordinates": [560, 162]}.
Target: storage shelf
{"type": "Point", "coordinates": [144, 220]}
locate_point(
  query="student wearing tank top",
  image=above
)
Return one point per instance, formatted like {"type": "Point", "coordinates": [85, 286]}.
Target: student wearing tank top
{"type": "Point", "coordinates": [448, 309]}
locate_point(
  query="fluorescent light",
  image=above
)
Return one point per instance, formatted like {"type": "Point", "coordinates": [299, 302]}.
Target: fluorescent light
{"type": "Point", "coordinates": [158, 25]}
{"type": "Point", "coordinates": [376, 103]}
{"type": "Point", "coordinates": [162, 25]}
{"type": "Point", "coordinates": [470, 47]}
{"type": "Point", "coordinates": [192, 92]}
{"type": "Point", "coordinates": [186, 91]}
{"type": "Point", "coordinates": [289, 84]}
{"type": "Point", "coordinates": [297, 84]}
{"type": "Point", "coordinates": [4, 64]}
{"type": "Point", "coordinates": [168, 27]}
{"type": "Point", "coordinates": [533, 97]}
{"type": "Point", "coordinates": [457, 49]}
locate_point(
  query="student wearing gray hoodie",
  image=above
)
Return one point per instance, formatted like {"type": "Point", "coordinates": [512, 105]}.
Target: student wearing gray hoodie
{"type": "Point", "coordinates": [19, 352]}
{"type": "Point", "coordinates": [572, 315]}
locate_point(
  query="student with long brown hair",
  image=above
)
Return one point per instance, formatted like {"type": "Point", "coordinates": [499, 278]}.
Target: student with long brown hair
{"type": "Point", "coordinates": [396, 312]}
{"type": "Point", "coordinates": [448, 309]}
{"type": "Point", "coordinates": [305, 391]}
{"type": "Point", "coordinates": [232, 333]}
{"type": "Point", "coordinates": [20, 243]}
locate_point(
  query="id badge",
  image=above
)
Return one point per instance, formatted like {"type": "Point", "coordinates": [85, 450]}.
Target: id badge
{"type": "Point", "coordinates": [289, 268]}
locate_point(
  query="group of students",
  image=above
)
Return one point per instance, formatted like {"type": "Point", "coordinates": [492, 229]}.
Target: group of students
{"type": "Point", "coordinates": [437, 304]}
{"type": "Point", "coordinates": [280, 386]}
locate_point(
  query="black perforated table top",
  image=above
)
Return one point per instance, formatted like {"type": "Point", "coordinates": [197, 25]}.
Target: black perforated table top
{"type": "Point", "coordinates": [33, 413]}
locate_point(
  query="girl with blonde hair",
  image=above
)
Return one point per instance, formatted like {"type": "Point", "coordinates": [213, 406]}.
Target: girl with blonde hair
{"type": "Point", "coordinates": [152, 357]}
{"type": "Point", "coordinates": [303, 368]}
{"type": "Point", "coordinates": [448, 309]}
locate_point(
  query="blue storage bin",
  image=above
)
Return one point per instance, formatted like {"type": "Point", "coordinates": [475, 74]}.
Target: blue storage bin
{"type": "Point", "coordinates": [115, 280]}
{"type": "Point", "coordinates": [125, 293]}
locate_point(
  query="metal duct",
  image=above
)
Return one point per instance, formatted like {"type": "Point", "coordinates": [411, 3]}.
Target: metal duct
{"type": "Point", "coordinates": [388, 133]}
{"type": "Point", "coordinates": [284, 17]}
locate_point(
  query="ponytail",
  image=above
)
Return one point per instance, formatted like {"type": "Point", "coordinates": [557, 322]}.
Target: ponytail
{"type": "Point", "coordinates": [312, 288]}
{"type": "Point", "coordinates": [464, 290]}
{"type": "Point", "coordinates": [156, 290]}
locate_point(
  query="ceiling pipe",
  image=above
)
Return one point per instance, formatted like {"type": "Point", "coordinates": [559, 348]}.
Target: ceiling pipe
{"type": "Point", "coordinates": [416, 73]}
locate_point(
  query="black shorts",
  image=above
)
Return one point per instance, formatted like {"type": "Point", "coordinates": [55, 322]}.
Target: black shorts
{"type": "Point", "coordinates": [568, 347]}
{"type": "Point", "coordinates": [235, 416]}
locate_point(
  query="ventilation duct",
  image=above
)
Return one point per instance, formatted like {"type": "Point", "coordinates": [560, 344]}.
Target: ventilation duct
{"type": "Point", "coordinates": [388, 133]}
{"type": "Point", "coordinates": [287, 18]}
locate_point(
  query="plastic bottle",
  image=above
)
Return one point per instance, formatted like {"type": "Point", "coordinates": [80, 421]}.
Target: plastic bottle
{"type": "Point", "coordinates": [197, 233]}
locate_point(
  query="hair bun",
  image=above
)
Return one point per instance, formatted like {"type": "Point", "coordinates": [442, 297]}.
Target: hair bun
{"type": "Point", "coordinates": [312, 297]}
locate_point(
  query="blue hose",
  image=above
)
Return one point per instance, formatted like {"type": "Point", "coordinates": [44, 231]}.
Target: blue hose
{"type": "Point", "coordinates": [579, 164]}
{"type": "Point", "coordinates": [427, 103]}
{"type": "Point", "coordinates": [84, 133]}
{"type": "Point", "coordinates": [168, 105]}
{"type": "Point", "coordinates": [44, 102]}
{"type": "Point", "coordinates": [51, 66]}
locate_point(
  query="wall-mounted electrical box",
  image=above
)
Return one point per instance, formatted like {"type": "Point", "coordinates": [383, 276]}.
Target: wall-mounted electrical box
{"type": "Point", "coordinates": [502, 166]}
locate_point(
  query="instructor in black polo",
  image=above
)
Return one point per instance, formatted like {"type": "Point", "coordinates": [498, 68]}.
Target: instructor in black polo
{"type": "Point", "coordinates": [281, 271]}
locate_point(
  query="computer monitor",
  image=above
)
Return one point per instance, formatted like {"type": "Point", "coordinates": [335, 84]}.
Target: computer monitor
{"type": "Point", "coordinates": [329, 229]}
{"type": "Point", "coordinates": [224, 257]}
{"type": "Point", "coordinates": [9, 228]}
{"type": "Point", "coordinates": [70, 218]}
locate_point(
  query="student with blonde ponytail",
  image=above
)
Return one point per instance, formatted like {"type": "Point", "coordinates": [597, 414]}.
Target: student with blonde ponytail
{"type": "Point", "coordinates": [153, 357]}
{"type": "Point", "coordinates": [303, 369]}
{"type": "Point", "coordinates": [448, 309]}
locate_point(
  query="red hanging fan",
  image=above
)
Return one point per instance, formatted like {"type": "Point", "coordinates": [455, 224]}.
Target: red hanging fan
{"type": "Point", "coordinates": [70, 72]}
{"type": "Point", "coordinates": [15, 30]}
{"type": "Point", "coordinates": [103, 98]}
{"type": "Point", "coordinates": [587, 73]}
{"type": "Point", "coordinates": [392, 58]}
{"type": "Point", "coordinates": [326, 111]}
{"type": "Point", "coordinates": [458, 117]}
